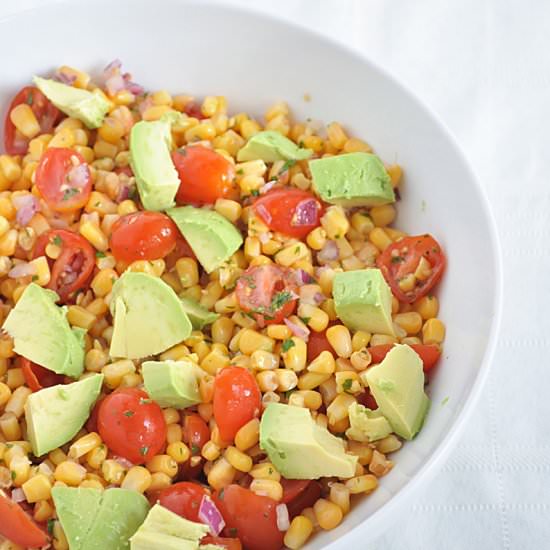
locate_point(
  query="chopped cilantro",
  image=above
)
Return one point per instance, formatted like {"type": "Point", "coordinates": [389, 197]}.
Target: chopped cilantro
{"type": "Point", "coordinates": [280, 299]}
{"type": "Point", "coordinates": [143, 450]}
{"type": "Point", "coordinates": [282, 454]}
{"type": "Point", "coordinates": [143, 401]}
{"type": "Point", "coordinates": [255, 192]}
{"type": "Point", "coordinates": [240, 172]}
{"type": "Point", "coordinates": [287, 165]}
{"type": "Point", "coordinates": [288, 393]}
{"type": "Point", "coordinates": [287, 344]}
{"type": "Point", "coordinates": [57, 240]}
{"type": "Point", "coordinates": [34, 278]}
{"type": "Point", "coordinates": [270, 470]}
{"type": "Point", "coordinates": [128, 413]}
{"type": "Point", "coordinates": [220, 495]}
{"type": "Point", "coordinates": [68, 193]}
{"type": "Point", "coordinates": [305, 320]}
{"type": "Point", "coordinates": [445, 401]}
{"type": "Point", "coordinates": [100, 254]}
{"type": "Point", "coordinates": [297, 250]}
{"type": "Point", "coordinates": [250, 281]}
{"type": "Point", "coordinates": [13, 475]}
{"type": "Point", "coordinates": [347, 384]}
{"type": "Point", "coordinates": [29, 99]}
{"type": "Point", "coordinates": [232, 531]}
{"type": "Point", "coordinates": [397, 259]}
{"type": "Point", "coordinates": [50, 526]}
{"type": "Point", "coordinates": [301, 144]}
{"type": "Point", "coordinates": [195, 449]}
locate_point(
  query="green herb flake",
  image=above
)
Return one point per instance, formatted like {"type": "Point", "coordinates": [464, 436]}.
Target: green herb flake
{"type": "Point", "coordinates": [348, 382]}
{"type": "Point", "coordinates": [280, 299]}
{"type": "Point", "coordinates": [255, 192]}
{"type": "Point", "coordinates": [240, 172]}
{"type": "Point", "coordinates": [68, 193]}
{"type": "Point", "coordinates": [287, 165]}
{"type": "Point", "coordinates": [220, 495]}
{"type": "Point", "coordinates": [195, 449]}
{"type": "Point", "coordinates": [128, 413]}
{"type": "Point", "coordinates": [397, 259]}
{"type": "Point", "coordinates": [297, 250]}
{"type": "Point", "coordinates": [57, 241]}
{"type": "Point", "coordinates": [13, 475]}
{"type": "Point", "coordinates": [29, 99]}
{"type": "Point", "coordinates": [100, 254]}
{"type": "Point", "coordinates": [144, 450]}
{"type": "Point", "coordinates": [51, 523]}
{"type": "Point", "coordinates": [305, 320]}
{"type": "Point", "coordinates": [287, 344]}
{"type": "Point", "coordinates": [445, 401]}
{"type": "Point", "coordinates": [233, 532]}
{"type": "Point", "coordinates": [143, 401]}
{"type": "Point", "coordinates": [288, 393]}
{"type": "Point", "coordinates": [34, 278]}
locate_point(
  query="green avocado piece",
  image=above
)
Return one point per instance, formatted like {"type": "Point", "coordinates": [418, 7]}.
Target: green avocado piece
{"type": "Point", "coordinates": [98, 520]}
{"type": "Point", "coordinates": [271, 146]}
{"type": "Point", "coordinates": [42, 334]}
{"type": "Point", "coordinates": [397, 384]}
{"type": "Point", "coordinates": [149, 540]}
{"type": "Point", "coordinates": [367, 425]}
{"type": "Point", "coordinates": [362, 300]}
{"type": "Point", "coordinates": [172, 383]}
{"type": "Point", "coordinates": [352, 179]}
{"type": "Point", "coordinates": [54, 415]}
{"type": "Point", "coordinates": [156, 177]}
{"type": "Point", "coordinates": [148, 316]}
{"type": "Point", "coordinates": [300, 448]}
{"type": "Point", "coordinates": [89, 107]}
{"type": "Point", "coordinates": [210, 547]}
{"type": "Point", "coordinates": [212, 238]}
{"type": "Point", "coordinates": [198, 315]}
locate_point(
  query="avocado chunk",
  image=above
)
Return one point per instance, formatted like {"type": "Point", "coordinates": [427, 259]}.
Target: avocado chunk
{"type": "Point", "coordinates": [271, 146]}
{"type": "Point", "coordinates": [352, 179]}
{"type": "Point", "coordinates": [96, 520]}
{"type": "Point", "coordinates": [397, 384]}
{"type": "Point", "coordinates": [198, 315]}
{"type": "Point", "coordinates": [300, 448]}
{"type": "Point", "coordinates": [89, 107]}
{"type": "Point", "coordinates": [156, 177]}
{"type": "Point", "coordinates": [54, 415]}
{"type": "Point", "coordinates": [148, 316]}
{"type": "Point", "coordinates": [42, 334]}
{"type": "Point", "coordinates": [164, 529]}
{"type": "Point", "coordinates": [366, 425]}
{"type": "Point", "coordinates": [210, 547]}
{"type": "Point", "coordinates": [362, 299]}
{"type": "Point", "coordinates": [172, 383]}
{"type": "Point", "coordinates": [212, 238]}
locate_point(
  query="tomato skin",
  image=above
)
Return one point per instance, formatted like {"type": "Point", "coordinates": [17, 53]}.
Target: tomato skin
{"type": "Point", "coordinates": [204, 174]}
{"type": "Point", "coordinates": [183, 498]}
{"type": "Point", "coordinates": [237, 400]}
{"type": "Point", "coordinates": [193, 109]}
{"type": "Point", "coordinates": [18, 527]}
{"type": "Point", "coordinates": [366, 399]}
{"type": "Point", "coordinates": [409, 251]}
{"type": "Point", "coordinates": [278, 210]}
{"type": "Point", "coordinates": [253, 517]}
{"type": "Point", "coordinates": [259, 290]}
{"type": "Point", "coordinates": [299, 494]}
{"type": "Point", "coordinates": [143, 236]}
{"type": "Point", "coordinates": [77, 255]}
{"type": "Point", "coordinates": [56, 182]}
{"type": "Point", "coordinates": [37, 377]}
{"type": "Point", "coordinates": [132, 425]}
{"type": "Point", "coordinates": [429, 354]}
{"type": "Point", "coordinates": [45, 112]}
{"type": "Point", "coordinates": [224, 542]}
{"type": "Point", "coordinates": [318, 343]}
{"type": "Point", "coordinates": [195, 434]}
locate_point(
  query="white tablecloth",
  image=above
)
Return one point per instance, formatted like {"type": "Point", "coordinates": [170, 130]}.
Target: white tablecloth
{"type": "Point", "coordinates": [484, 67]}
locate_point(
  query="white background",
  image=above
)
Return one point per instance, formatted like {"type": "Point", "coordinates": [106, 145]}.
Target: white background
{"type": "Point", "coordinates": [484, 67]}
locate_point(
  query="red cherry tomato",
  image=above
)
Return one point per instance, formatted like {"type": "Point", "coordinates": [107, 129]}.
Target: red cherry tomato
{"type": "Point", "coordinates": [429, 354]}
{"type": "Point", "coordinates": [204, 174]}
{"type": "Point", "coordinates": [38, 377]}
{"type": "Point", "coordinates": [72, 270]}
{"type": "Point", "coordinates": [45, 112]}
{"type": "Point", "coordinates": [143, 236]}
{"type": "Point", "coordinates": [183, 498]}
{"type": "Point", "coordinates": [18, 527]}
{"type": "Point", "coordinates": [250, 517]}
{"type": "Point", "coordinates": [181, 250]}
{"type": "Point", "coordinates": [366, 399]}
{"type": "Point", "coordinates": [91, 423]}
{"type": "Point", "coordinates": [195, 433]}
{"type": "Point", "coordinates": [236, 400]}
{"type": "Point", "coordinates": [402, 258]}
{"type": "Point", "coordinates": [299, 494]}
{"type": "Point", "coordinates": [290, 211]}
{"type": "Point", "coordinates": [132, 425]}
{"type": "Point", "coordinates": [267, 292]}
{"type": "Point", "coordinates": [316, 344]}
{"type": "Point", "coordinates": [224, 542]}
{"type": "Point", "coordinates": [193, 109]}
{"type": "Point", "coordinates": [63, 179]}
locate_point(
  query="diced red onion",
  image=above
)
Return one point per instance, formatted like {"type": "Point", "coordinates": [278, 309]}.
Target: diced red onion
{"type": "Point", "coordinates": [132, 87]}
{"type": "Point", "coordinates": [304, 277]}
{"type": "Point", "coordinates": [283, 521]}
{"type": "Point", "coordinates": [64, 77]}
{"type": "Point", "coordinates": [123, 193]}
{"type": "Point", "coordinates": [297, 330]}
{"type": "Point", "coordinates": [210, 515]}
{"type": "Point", "coordinates": [329, 252]}
{"type": "Point", "coordinates": [269, 185]}
{"type": "Point", "coordinates": [125, 463]}
{"type": "Point", "coordinates": [115, 83]}
{"type": "Point", "coordinates": [17, 495]}
{"type": "Point", "coordinates": [309, 295]}
{"type": "Point", "coordinates": [79, 175]}
{"type": "Point", "coordinates": [27, 206]}
{"type": "Point", "coordinates": [306, 212]}
{"type": "Point", "coordinates": [264, 237]}
{"type": "Point", "coordinates": [114, 65]}
{"type": "Point", "coordinates": [115, 80]}
{"type": "Point", "coordinates": [22, 269]}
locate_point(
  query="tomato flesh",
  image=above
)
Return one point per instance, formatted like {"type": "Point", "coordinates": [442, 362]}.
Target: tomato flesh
{"type": "Point", "coordinates": [402, 258]}
{"type": "Point", "coordinates": [290, 211]}
{"type": "Point", "coordinates": [183, 498]}
{"type": "Point", "coordinates": [195, 433]}
{"type": "Point", "coordinates": [73, 268]}
{"type": "Point", "coordinates": [143, 236]}
{"type": "Point", "coordinates": [132, 425]}
{"type": "Point", "coordinates": [224, 542]}
{"type": "Point", "coordinates": [37, 377]}
{"type": "Point", "coordinates": [63, 179]}
{"type": "Point", "coordinates": [250, 517]}
{"type": "Point", "coordinates": [429, 354]}
{"type": "Point", "coordinates": [204, 174]}
{"type": "Point", "coordinates": [268, 293]}
{"type": "Point", "coordinates": [318, 343]}
{"type": "Point", "coordinates": [45, 112]}
{"type": "Point", "coordinates": [299, 494]}
{"type": "Point", "coordinates": [236, 400]}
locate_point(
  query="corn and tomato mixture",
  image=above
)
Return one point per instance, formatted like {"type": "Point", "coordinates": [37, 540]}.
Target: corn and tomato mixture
{"type": "Point", "coordinates": [71, 220]}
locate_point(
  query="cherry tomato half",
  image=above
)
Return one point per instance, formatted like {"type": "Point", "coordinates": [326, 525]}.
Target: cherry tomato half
{"type": "Point", "coordinates": [236, 400]}
{"type": "Point", "coordinates": [132, 425]}
{"type": "Point", "coordinates": [45, 112]}
{"type": "Point", "coordinates": [204, 174]}
{"type": "Point", "coordinates": [183, 498]}
{"type": "Point", "coordinates": [143, 236]}
{"type": "Point", "coordinates": [18, 527]}
{"type": "Point", "coordinates": [63, 179]}
{"type": "Point", "coordinates": [250, 517]}
{"type": "Point", "coordinates": [195, 433]}
{"type": "Point", "coordinates": [37, 377]}
{"type": "Point", "coordinates": [299, 494]}
{"type": "Point", "coordinates": [429, 354]}
{"type": "Point", "coordinates": [366, 399]}
{"type": "Point", "coordinates": [317, 343]}
{"type": "Point", "coordinates": [267, 292]}
{"type": "Point", "coordinates": [72, 270]}
{"type": "Point", "coordinates": [290, 211]}
{"type": "Point", "coordinates": [402, 258]}
{"type": "Point", "coordinates": [224, 542]}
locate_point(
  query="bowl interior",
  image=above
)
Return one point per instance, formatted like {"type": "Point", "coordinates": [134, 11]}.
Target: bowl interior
{"type": "Point", "coordinates": [202, 48]}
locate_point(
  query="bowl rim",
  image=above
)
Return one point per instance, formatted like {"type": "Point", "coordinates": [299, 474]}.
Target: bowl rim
{"type": "Point", "coordinates": [427, 471]}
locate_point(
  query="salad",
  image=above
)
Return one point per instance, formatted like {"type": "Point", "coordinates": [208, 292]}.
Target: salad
{"type": "Point", "coordinates": [212, 334]}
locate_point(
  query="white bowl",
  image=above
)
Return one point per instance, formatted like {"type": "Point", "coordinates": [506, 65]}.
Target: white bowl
{"type": "Point", "coordinates": [203, 48]}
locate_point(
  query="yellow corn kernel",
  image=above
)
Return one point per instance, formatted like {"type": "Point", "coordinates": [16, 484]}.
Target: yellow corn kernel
{"type": "Point", "coordinates": [308, 398]}
{"type": "Point", "coordinates": [178, 451]}
{"type": "Point", "coordinates": [389, 444]}
{"type": "Point", "coordinates": [248, 435]}
{"type": "Point", "coordinates": [159, 481]}
{"type": "Point", "coordinates": [8, 243]}
{"type": "Point", "coordinates": [5, 393]}
{"type": "Point", "coordinates": [175, 353]}
{"type": "Point", "coordinates": [171, 415]}
{"type": "Point", "coordinates": [57, 456]}
{"type": "Point", "coordinates": [4, 225]}
{"type": "Point", "coordinates": [221, 474]}
{"type": "Point", "coordinates": [214, 361]}
{"type": "Point", "coordinates": [59, 539]}
{"type": "Point", "coordinates": [360, 359]}
{"type": "Point", "coordinates": [16, 403]}
{"type": "Point", "coordinates": [383, 215]}
{"type": "Point", "coordinates": [291, 254]}
{"type": "Point", "coordinates": [339, 338]}
{"type": "Point", "coordinates": [111, 130]}
{"type": "Point", "coordinates": [323, 363]}
{"type": "Point", "coordinates": [311, 380]}
{"type": "Point", "coordinates": [113, 472]}
{"type": "Point", "coordinates": [63, 138]}
{"type": "Point", "coordinates": [210, 450]}
{"type": "Point", "coordinates": [335, 222]}
{"type": "Point", "coordinates": [163, 463]}
{"type": "Point", "coordinates": [427, 307]}
{"type": "Point", "coordinates": [93, 234]}
{"type": "Point", "coordinates": [101, 203]}
{"type": "Point", "coordinates": [336, 135]}
{"type": "Point", "coordinates": [24, 119]}
{"type": "Point", "coordinates": [362, 484]}
{"type": "Point", "coordinates": [87, 153]}
{"type": "Point", "coordinates": [104, 149]}
{"type": "Point", "coordinates": [15, 378]}
{"type": "Point", "coordinates": [267, 488]}
{"type": "Point", "coordinates": [379, 238]}
{"type": "Point", "coordinates": [354, 145]}
{"type": "Point", "coordinates": [250, 341]}
{"type": "Point", "coordinates": [395, 172]}
{"type": "Point", "coordinates": [102, 283]}
{"type": "Point", "coordinates": [43, 511]}
{"type": "Point", "coordinates": [6, 207]}
{"type": "Point", "coordinates": [114, 372]}
{"type": "Point", "coordinates": [295, 356]}
{"type": "Point", "coordinates": [70, 473]}
{"type": "Point", "coordinates": [188, 272]}
{"type": "Point", "coordinates": [10, 168]}
{"type": "Point", "coordinates": [19, 469]}
{"type": "Point", "coordinates": [278, 332]}
{"type": "Point", "coordinates": [347, 382]}
{"type": "Point", "coordinates": [95, 360]}
{"type": "Point", "coordinates": [360, 340]}
{"type": "Point", "coordinates": [317, 238]}
{"type": "Point", "coordinates": [433, 331]}
{"type": "Point", "coordinates": [37, 488]}
{"type": "Point", "coordinates": [84, 445]}
{"type": "Point", "coordinates": [317, 318]}
{"type": "Point", "coordinates": [137, 479]}
{"type": "Point", "coordinates": [96, 457]}
{"type": "Point", "coordinates": [423, 269]}
{"type": "Point", "coordinates": [338, 409]}
{"type": "Point", "coordinates": [97, 307]}
{"type": "Point", "coordinates": [81, 137]}
{"type": "Point", "coordinates": [328, 514]}
{"type": "Point", "coordinates": [263, 360]}
{"type": "Point", "coordinates": [410, 322]}
{"type": "Point", "coordinates": [9, 426]}
{"type": "Point", "coordinates": [340, 495]}
{"type": "Point", "coordinates": [41, 270]}
{"type": "Point", "coordinates": [286, 379]}
{"type": "Point", "coordinates": [298, 533]}
{"type": "Point", "coordinates": [6, 351]}
{"type": "Point", "coordinates": [229, 209]}
{"type": "Point", "coordinates": [360, 450]}
{"type": "Point", "coordinates": [239, 460]}
{"type": "Point", "coordinates": [81, 79]}
{"type": "Point", "coordinates": [80, 317]}
{"type": "Point", "coordinates": [267, 381]}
